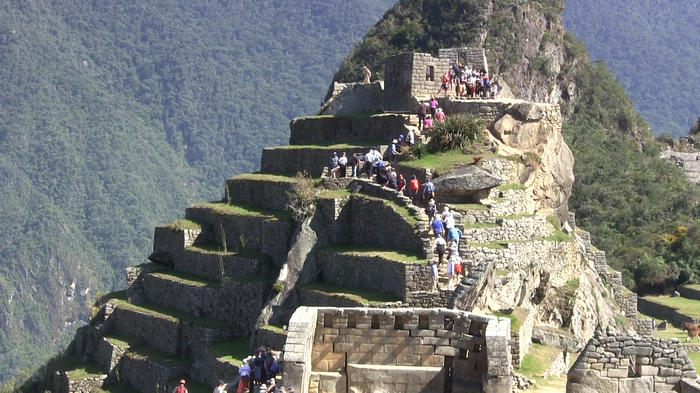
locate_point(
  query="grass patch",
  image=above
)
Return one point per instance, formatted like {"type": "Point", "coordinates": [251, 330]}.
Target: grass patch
{"type": "Point", "coordinates": [218, 249]}
{"type": "Point", "coordinates": [146, 352]}
{"type": "Point", "coordinates": [173, 315]}
{"type": "Point", "coordinates": [394, 255]}
{"type": "Point", "coordinates": [572, 285]}
{"type": "Point", "coordinates": [256, 278]}
{"type": "Point", "coordinates": [232, 351]}
{"type": "Point", "coordinates": [511, 186]}
{"type": "Point", "coordinates": [684, 305]}
{"type": "Point", "coordinates": [477, 225]}
{"type": "Point", "coordinates": [516, 216]}
{"type": "Point", "coordinates": [491, 245]}
{"type": "Point", "coordinates": [411, 219]}
{"type": "Point", "coordinates": [337, 146]}
{"type": "Point", "coordinates": [183, 224]}
{"type": "Point", "coordinates": [536, 362]}
{"type": "Point", "coordinates": [348, 116]}
{"type": "Point", "coordinates": [366, 296]}
{"type": "Point", "coordinates": [516, 316]}
{"type": "Point", "coordinates": [335, 194]}
{"type": "Point", "coordinates": [76, 369]}
{"type": "Point", "coordinates": [693, 286]}
{"type": "Point", "coordinates": [502, 273]}
{"type": "Point", "coordinates": [276, 177]}
{"type": "Point", "coordinates": [274, 328]}
{"type": "Point", "coordinates": [244, 209]}
{"type": "Point", "coordinates": [468, 206]}
{"type": "Point", "coordinates": [695, 358]}
{"type": "Point", "coordinates": [187, 279]}
{"type": "Point", "coordinates": [441, 162]}
{"type": "Point", "coordinates": [123, 341]}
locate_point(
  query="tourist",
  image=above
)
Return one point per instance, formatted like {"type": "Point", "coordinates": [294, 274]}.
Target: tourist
{"type": "Point", "coordinates": [454, 234]}
{"type": "Point", "coordinates": [433, 107]}
{"type": "Point", "coordinates": [413, 188]}
{"type": "Point", "coordinates": [439, 247]}
{"type": "Point", "coordinates": [334, 164]}
{"type": "Point", "coordinates": [427, 123]}
{"type": "Point", "coordinates": [377, 162]}
{"type": "Point", "coordinates": [367, 74]}
{"type": "Point", "coordinates": [454, 259]}
{"type": "Point", "coordinates": [422, 112]}
{"type": "Point", "coordinates": [430, 210]}
{"type": "Point", "coordinates": [244, 371]}
{"type": "Point", "coordinates": [262, 388]}
{"type": "Point", "coordinates": [410, 138]}
{"type": "Point", "coordinates": [259, 372]}
{"type": "Point", "coordinates": [393, 182]}
{"type": "Point", "coordinates": [434, 273]}
{"type": "Point", "coordinates": [354, 163]}
{"type": "Point", "coordinates": [445, 84]}
{"type": "Point", "coordinates": [343, 165]}
{"type": "Point", "coordinates": [428, 190]}
{"type": "Point", "coordinates": [440, 115]}
{"type": "Point", "coordinates": [393, 151]}
{"type": "Point", "coordinates": [220, 388]}
{"type": "Point", "coordinates": [438, 227]}
{"type": "Point", "coordinates": [401, 184]}
{"type": "Point", "coordinates": [180, 388]}
{"type": "Point", "coordinates": [369, 159]}
{"type": "Point", "coordinates": [494, 90]}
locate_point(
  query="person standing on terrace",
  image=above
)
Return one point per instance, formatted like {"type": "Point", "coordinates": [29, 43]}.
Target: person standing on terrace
{"type": "Point", "coordinates": [366, 73]}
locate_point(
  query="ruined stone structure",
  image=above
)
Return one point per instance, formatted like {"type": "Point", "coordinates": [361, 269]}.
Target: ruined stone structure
{"type": "Point", "coordinates": [351, 279]}
{"type": "Point", "coordinates": [620, 363]}
{"type": "Point", "coordinates": [399, 350]}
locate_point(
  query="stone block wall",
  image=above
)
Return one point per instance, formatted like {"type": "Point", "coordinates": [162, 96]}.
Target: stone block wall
{"type": "Point", "coordinates": [336, 213]}
{"type": "Point", "coordinates": [473, 56]}
{"type": "Point", "coordinates": [107, 355]}
{"type": "Point", "coordinates": [63, 384]}
{"type": "Point", "coordinates": [374, 272]}
{"type": "Point", "coordinates": [644, 326]}
{"type": "Point", "coordinates": [690, 293]}
{"type": "Point", "coordinates": [422, 86]}
{"type": "Point", "coordinates": [527, 228]}
{"type": "Point", "coordinates": [158, 331]}
{"type": "Point", "coordinates": [369, 220]}
{"type": "Point", "coordinates": [149, 375]}
{"type": "Point", "coordinates": [215, 265]}
{"type": "Point", "coordinates": [335, 130]}
{"type": "Point", "coordinates": [521, 339]}
{"type": "Point", "coordinates": [349, 98]}
{"type": "Point", "coordinates": [397, 82]}
{"type": "Point", "coordinates": [429, 299]}
{"type": "Point", "coordinates": [630, 364]}
{"type": "Point", "coordinates": [376, 347]}
{"type": "Point", "coordinates": [661, 311]}
{"type": "Point", "coordinates": [509, 202]}
{"type": "Point", "coordinates": [475, 289]}
{"type": "Point", "coordinates": [509, 171]}
{"type": "Point", "coordinates": [269, 194]}
{"type": "Point", "coordinates": [292, 159]}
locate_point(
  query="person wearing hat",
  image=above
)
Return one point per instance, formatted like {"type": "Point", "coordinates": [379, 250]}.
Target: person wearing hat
{"type": "Point", "coordinates": [221, 387]}
{"type": "Point", "coordinates": [244, 382]}
{"type": "Point", "coordinates": [393, 151]}
{"type": "Point", "coordinates": [180, 388]}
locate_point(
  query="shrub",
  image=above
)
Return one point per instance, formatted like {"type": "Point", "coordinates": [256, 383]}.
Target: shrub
{"type": "Point", "coordinates": [456, 132]}
{"type": "Point", "coordinates": [301, 198]}
{"type": "Point", "coordinates": [278, 287]}
{"type": "Point", "coordinates": [414, 152]}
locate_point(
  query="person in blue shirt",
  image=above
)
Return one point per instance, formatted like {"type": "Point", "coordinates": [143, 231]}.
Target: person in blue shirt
{"type": "Point", "coordinates": [428, 190]}
{"type": "Point", "coordinates": [454, 234]}
{"type": "Point", "coordinates": [438, 227]}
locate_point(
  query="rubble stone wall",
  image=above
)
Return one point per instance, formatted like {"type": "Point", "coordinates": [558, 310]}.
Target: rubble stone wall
{"type": "Point", "coordinates": [341, 129]}
{"type": "Point", "coordinates": [631, 364]}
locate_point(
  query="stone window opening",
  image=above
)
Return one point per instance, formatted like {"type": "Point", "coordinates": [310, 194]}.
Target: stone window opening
{"type": "Point", "coordinates": [398, 322]}
{"type": "Point", "coordinates": [477, 348]}
{"type": "Point", "coordinates": [352, 321]}
{"type": "Point", "coordinates": [327, 320]}
{"type": "Point", "coordinates": [635, 367]}
{"type": "Point", "coordinates": [375, 322]}
{"type": "Point", "coordinates": [430, 74]}
{"type": "Point", "coordinates": [423, 322]}
{"type": "Point", "coordinates": [476, 329]}
{"type": "Point", "coordinates": [464, 354]}
{"type": "Point", "coordinates": [449, 323]}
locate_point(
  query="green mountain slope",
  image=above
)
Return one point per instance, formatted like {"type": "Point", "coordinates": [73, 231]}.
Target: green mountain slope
{"type": "Point", "coordinates": [650, 46]}
{"type": "Point", "coordinates": [638, 208]}
{"type": "Point", "coordinates": [108, 109]}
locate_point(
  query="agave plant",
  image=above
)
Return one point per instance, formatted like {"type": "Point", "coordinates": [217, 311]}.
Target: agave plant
{"type": "Point", "coordinates": [458, 131]}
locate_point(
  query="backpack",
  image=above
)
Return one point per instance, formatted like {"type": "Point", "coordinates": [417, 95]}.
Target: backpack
{"type": "Point", "coordinates": [180, 389]}
{"type": "Point", "coordinates": [441, 248]}
{"type": "Point", "coordinates": [431, 209]}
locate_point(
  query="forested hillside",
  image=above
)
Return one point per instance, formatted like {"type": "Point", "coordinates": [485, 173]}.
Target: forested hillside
{"type": "Point", "coordinates": [639, 209]}
{"type": "Point", "coordinates": [115, 115]}
{"type": "Point", "coordinates": [651, 47]}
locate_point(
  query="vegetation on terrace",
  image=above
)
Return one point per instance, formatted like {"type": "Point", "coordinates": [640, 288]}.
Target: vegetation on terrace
{"type": "Point", "coordinates": [365, 296]}
{"type": "Point", "coordinates": [394, 255]}
{"type": "Point", "coordinates": [232, 351]}
{"type": "Point", "coordinates": [684, 305]}
{"type": "Point", "coordinates": [244, 209]}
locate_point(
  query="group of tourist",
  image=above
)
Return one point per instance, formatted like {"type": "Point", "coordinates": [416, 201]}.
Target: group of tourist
{"type": "Point", "coordinates": [258, 373]}
{"type": "Point", "coordinates": [427, 112]}
{"type": "Point", "coordinates": [468, 82]}
{"type": "Point", "coordinates": [447, 237]}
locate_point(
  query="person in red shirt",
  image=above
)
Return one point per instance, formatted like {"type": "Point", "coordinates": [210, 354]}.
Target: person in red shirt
{"type": "Point", "coordinates": [413, 187]}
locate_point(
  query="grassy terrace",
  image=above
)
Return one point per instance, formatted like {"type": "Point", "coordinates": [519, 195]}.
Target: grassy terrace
{"type": "Point", "coordinates": [187, 279]}
{"type": "Point", "coordinates": [394, 255]}
{"type": "Point", "coordinates": [170, 314]}
{"type": "Point", "coordinates": [348, 116]}
{"type": "Point", "coordinates": [274, 328]}
{"type": "Point", "coordinates": [686, 306]}
{"type": "Point", "coordinates": [469, 206]}
{"type": "Point", "coordinates": [184, 224]}
{"type": "Point", "coordinates": [360, 295]}
{"type": "Point", "coordinates": [516, 315]}
{"type": "Point", "coordinates": [277, 177]}
{"type": "Point", "coordinates": [337, 146]}
{"type": "Point", "coordinates": [536, 362]}
{"type": "Point", "coordinates": [244, 209]}
{"type": "Point", "coordinates": [346, 193]}
{"type": "Point", "coordinates": [218, 249]}
{"type": "Point", "coordinates": [492, 245]}
{"type": "Point", "coordinates": [232, 351]}
{"type": "Point", "coordinates": [441, 162]}
{"type": "Point", "coordinates": [511, 186]}
{"type": "Point", "coordinates": [693, 286]}
{"type": "Point", "coordinates": [76, 369]}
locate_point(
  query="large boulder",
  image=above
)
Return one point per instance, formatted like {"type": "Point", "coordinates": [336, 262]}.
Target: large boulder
{"type": "Point", "coordinates": [465, 184]}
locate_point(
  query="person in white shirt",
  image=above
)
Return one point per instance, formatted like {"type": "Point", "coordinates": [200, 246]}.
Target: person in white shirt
{"type": "Point", "coordinates": [220, 388]}
{"type": "Point", "coordinates": [410, 137]}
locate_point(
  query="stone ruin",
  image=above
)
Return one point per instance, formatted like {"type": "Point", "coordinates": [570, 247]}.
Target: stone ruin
{"type": "Point", "coordinates": [357, 297]}
{"type": "Point", "coordinates": [620, 363]}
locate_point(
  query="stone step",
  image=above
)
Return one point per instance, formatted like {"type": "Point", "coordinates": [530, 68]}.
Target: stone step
{"type": "Point", "coordinates": [209, 298]}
